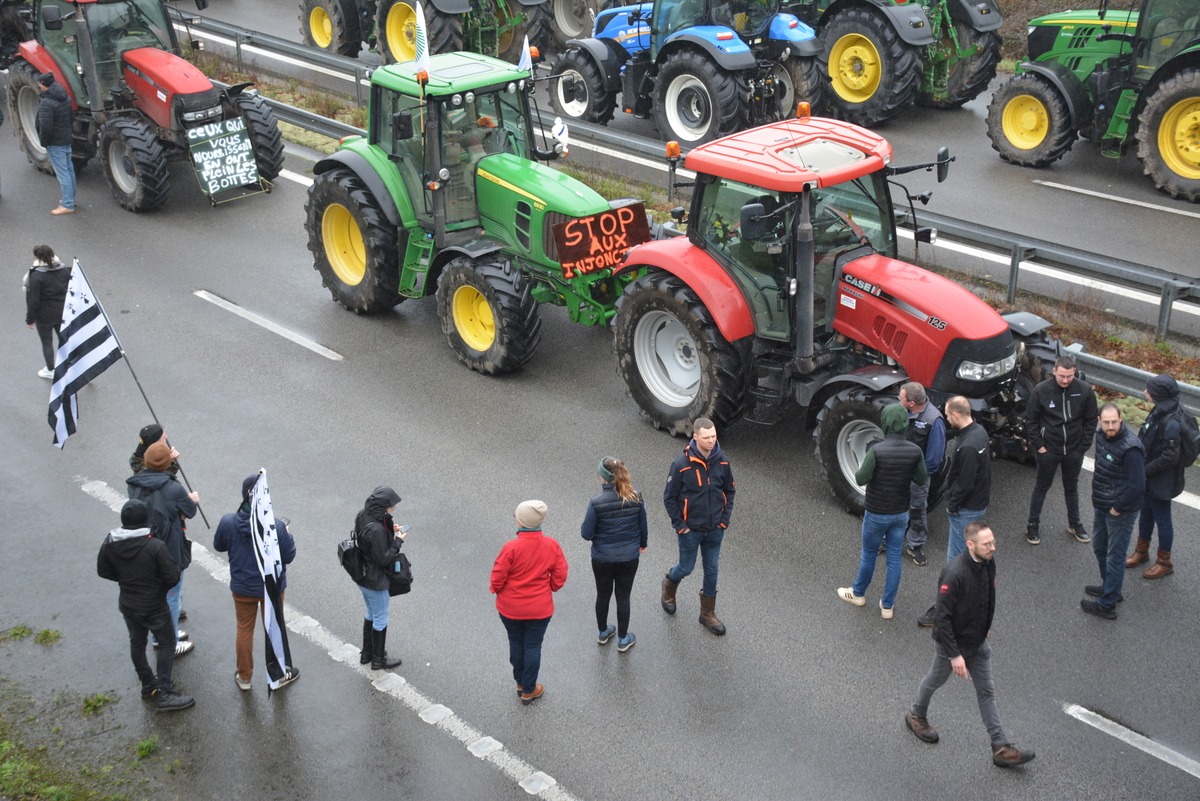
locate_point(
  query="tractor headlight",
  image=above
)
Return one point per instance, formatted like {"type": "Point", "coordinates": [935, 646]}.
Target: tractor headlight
{"type": "Point", "coordinates": [202, 115]}
{"type": "Point", "coordinates": [974, 371]}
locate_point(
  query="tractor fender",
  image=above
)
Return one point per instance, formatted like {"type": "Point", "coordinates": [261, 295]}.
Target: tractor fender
{"type": "Point", "coordinates": [982, 15]}
{"type": "Point", "coordinates": [236, 89]}
{"type": "Point", "coordinates": [39, 58]}
{"type": "Point", "coordinates": [703, 275]}
{"type": "Point", "coordinates": [1025, 324]}
{"type": "Point", "coordinates": [468, 243]}
{"type": "Point", "coordinates": [452, 6]}
{"type": "Point", "coordinates": [799, 37]}
{"type": "Point", "coordinates": [607, 55]}
{"type": "Point", "coordinates": [1072, 90]}
{"type": "Point", "coordinates": [363, 169]}
{"type": "Point", "coordinates": [733, 56]}
{"type": "Point", "coordinates": [910, 21]}
{"type": "Point", "coordinates": [877, 378]}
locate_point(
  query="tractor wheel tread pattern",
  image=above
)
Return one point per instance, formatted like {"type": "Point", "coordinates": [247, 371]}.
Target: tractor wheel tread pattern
{"type": "Point", "coordinates": [728, 94]}
{"type": "Point", "coordinates": [601, 103]}
{"type": "Point", "coordinates": [264, 134]}
{"type": "Point", "coordinates": [900, 76]}
{"type": "Point", "coordinates": [509, 295]}
{"type": "Point", "coordinates": [969, 77]}
{"type": "Point", "coordinates": [1060, 136]}
{"type": "Point", "coordinates": [539, 26]}
{"type": "Point", "coordinates": [445, 30]}
{"type": "Point", "coordinates": [854, 405]}
{"type": "Point", "coordinates": [346, 39]}
{"type": "Point", "coordinates": [22, 97]}
{"type": "Point", "coordinates": [807, 87]}
{"type": "Point", "coordinates": [1179, 88]}
{"type": "Point", "coordinates": [144, 161]}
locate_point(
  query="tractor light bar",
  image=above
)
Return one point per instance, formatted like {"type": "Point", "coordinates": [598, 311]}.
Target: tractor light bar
{"type": "Point", "coordinates": [202, 114]}
{"type": "Point", "coordinates": [974, 371]}
{"type": "Point", "coordinates": [724, 36]}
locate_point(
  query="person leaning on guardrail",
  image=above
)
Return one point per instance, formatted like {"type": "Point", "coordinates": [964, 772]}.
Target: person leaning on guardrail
{"type": "Point", "coordinates": [1161, 435]}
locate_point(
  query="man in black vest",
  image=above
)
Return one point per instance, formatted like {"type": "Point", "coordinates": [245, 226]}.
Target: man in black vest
{"type": "Point", "coordinates": [926, 428]}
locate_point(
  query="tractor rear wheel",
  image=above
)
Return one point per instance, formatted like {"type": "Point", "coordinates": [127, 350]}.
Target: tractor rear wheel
{"type": "Point", "coordinates": [968, 77]}
{"type": "Point", "coordinates": [696, 101]}
{"type": "Point", "coordinates": [445, 30]}
{"type": "Point", "coordinates": [873, 73]}
{"type": "Point", "coordinates": [847, 425]}
{"type": "Point", "coordinates": [331, 25]}
{"type": "Point", "coordinates": [264, 134]}
{"type": "Point", "coordinates": [577, 89]}
{"type": "Point", "coordinates": [672, 357]}
{"type": "Point", "coordinates": [510, 41]}
{"type": "Point", "coordinates": [1169, 135]}
{"type": "Point", "coordinates": [23, 99]}
{"type": "Point", "coordinates": [354, 247]}
{"type": "Point", "coordinates": [396, 30]}
{"type": "Point", "coordinates": [488, 314]}
{"type": "Point", "coordinates": [539, 25]}
{"type": "Point", "coordinates": [1028, 122]}
{"type": "Point", "coordinates": [798, 80]}
{"type": "Point", "coordinates": [134, 164]}
{"type": "Point", "coordinates": [573, 19]}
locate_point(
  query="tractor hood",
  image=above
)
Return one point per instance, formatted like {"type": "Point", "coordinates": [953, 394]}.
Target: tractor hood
{"type": "Point", "coordinates": [1077, 29]}
{"type": "Point", "coordinates": [166, 72]}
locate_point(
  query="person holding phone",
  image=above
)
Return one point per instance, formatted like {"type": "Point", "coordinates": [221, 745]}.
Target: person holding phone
{"type": "Point", "coordinates": [379, 541]}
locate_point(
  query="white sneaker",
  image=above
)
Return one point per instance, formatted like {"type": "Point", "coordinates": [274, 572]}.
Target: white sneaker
{"type": "Point", "coordinates": [847, 595]}
{"type": "Point", "coordinates": [884, 612]}
{"type": "Point", "coordinates": [182, 648]}
{"type": "Point", "coordinates": [242, 684]}
{"type": "Point", "coordinates": [44, 373]}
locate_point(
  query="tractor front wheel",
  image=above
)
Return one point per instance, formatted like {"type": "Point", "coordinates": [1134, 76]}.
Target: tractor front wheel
{"type": "Point", "coordinates": [847, 426]}
{"type": "Point", "coordinates": [23, 99]}
{"type": "Point", "coordinates": [134, 164]}
{"type": "Point", "coordinates": [1028, 122]}
{"type": "Point", "coordinates": [354, 247]}
{"type": "Point", "coordinates": [396, 30]}
{"type": "Point", "coordinates": [264, 134]}
{"type": "Point", "coordinates": [672, 357]}
{"type": "Point", "coordinates": [873, 73]}
{"type": "Point", "coordinates": [577, 88]}
{"type": "Point", "coordinates": [331, 25]}
{"type": "Point", "coordinates": [488, 314]}
{"type": "Point", "coordinates": [697, 100]}
{"type": "Point", "coordinates": [1169, 135]}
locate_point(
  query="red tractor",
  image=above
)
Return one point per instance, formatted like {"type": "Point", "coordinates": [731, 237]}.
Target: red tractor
{"type": "Point", "coordinates": [787, 290]}
{"type": "Point", "coordinates": [138, 103]}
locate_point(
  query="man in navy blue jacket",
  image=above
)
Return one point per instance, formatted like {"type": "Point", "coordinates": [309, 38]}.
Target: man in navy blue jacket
{"type": "Point", "coordinates": [699, 501]}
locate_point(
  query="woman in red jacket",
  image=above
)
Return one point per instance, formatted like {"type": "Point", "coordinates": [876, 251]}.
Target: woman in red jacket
{"type": "Point", "coordinates": [526, 573]}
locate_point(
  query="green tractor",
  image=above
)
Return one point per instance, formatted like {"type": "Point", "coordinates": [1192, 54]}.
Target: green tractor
{"type": "Point", "coordinates": [880, 56]}
{"type": "Point", "coordinates": [1111, 77]}
{"type": "Point", "coordinates": [446, 196]}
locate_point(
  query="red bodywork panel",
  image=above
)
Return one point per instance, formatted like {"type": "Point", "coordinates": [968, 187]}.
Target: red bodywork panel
{"type": "Point", "coordinates": [40, 60]}
{"type": "Point", "coordinates": [892, 306]}
{"type": "Point", "coordinates": [787, 155]}
{"type": "Point", "coordinates": [156, 76]}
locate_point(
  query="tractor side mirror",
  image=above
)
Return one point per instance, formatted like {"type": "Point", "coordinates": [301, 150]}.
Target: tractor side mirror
{"type": "Point", "coordinates": [51, 18]}
{"type": "Point", "coordinates": [201, 4]}
{"type": "Point", "coordinates": [943, 163]}
{"type": "Point", "coordinates": [402, 128]}
{"type": "Point", "coordinates": [752, 226]}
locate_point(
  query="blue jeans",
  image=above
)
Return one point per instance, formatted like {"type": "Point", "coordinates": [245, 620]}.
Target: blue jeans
{"type": "Point", "coordinates": [956, 543]}
{"type": "Point", "coordinates": [64, 171]}
{"type": "Point", "coordinates": [1157, 510]}
{"type": "Point", "coordinates": [877, 529]}
{"type": "Point", "coordinates": [709, 545]}
{"type": "Point", "coordinates": [378, 603]}
{"type": "Point", "coordinates": [525, 649]}
{"type": "Point", "coordinates": [979, 665]}
{"type": "Point", "coordinates": [1110, 541]}
{"type": "Point", "coordinates": [175, 600]}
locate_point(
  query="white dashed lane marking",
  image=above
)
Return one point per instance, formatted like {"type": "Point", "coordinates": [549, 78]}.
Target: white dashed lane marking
{"type": "Point", "coordinates": [1138, 741]}
{"type": "Point", "coordinates": [263, 322]}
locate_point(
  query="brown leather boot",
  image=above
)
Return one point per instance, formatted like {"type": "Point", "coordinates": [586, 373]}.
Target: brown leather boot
{"type": "Point", "coordinates": [668, 594]}
{"type": "Point", "coordinates": [708, 614]}
{"type": "Point", "coordinates": [1161, 567]}
{"type": "Point", "coordinates": [1141, 553]}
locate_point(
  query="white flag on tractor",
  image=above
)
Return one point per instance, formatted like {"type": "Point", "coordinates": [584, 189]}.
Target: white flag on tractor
{"type": "Point", "coordinates": [270, 566]}
{"type": "Point", "coordinates": [526, 62]}
{"type": "Point", "coordinates": [421, 58]}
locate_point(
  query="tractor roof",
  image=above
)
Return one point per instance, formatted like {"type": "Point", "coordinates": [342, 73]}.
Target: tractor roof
{"type": "Point", "coordinates": [787, 155]}
{"type": "Point", "coordinates": [449, 73]}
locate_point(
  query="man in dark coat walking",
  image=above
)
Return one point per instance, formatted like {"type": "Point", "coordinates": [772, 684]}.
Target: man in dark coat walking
{"type": "Point", "coordinates": [54, 116]}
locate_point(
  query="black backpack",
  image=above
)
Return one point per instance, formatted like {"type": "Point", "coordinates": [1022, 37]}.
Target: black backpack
{"type": "Point", "coordinates": [1189, 438]}
{"type": "Point", "coordinates": [350, 558]}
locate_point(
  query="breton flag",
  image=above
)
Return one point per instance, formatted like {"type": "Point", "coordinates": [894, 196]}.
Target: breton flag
{"type": "Point", "coordinates": [87, 346]}
{"type": "Point", "coordinates": [526, 62]}
{"type": "Point", "coordinates": [421, 58]}
{"type": "Point", "coordinates": [270, 566]}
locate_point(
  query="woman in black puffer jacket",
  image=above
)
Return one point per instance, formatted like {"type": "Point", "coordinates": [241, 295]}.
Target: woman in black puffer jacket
{"type": "Point", "coordinates": [45, 293]}
{"type": "Point", "coordinates": [379, 541]}
{"type": "Point", "coordinates": [615, 524]}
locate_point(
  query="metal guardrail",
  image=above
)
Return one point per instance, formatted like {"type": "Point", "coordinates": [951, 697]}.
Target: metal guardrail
{"type": "Point", "coordinates": [1129, 380]}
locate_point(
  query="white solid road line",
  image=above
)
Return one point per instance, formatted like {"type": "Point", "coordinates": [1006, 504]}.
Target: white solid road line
{"type": "Point", "coordinates": [1188, 499]}
{"type": "Point", "coordinates": [296, 177]}
{"type": "Point", "coordinates": [274, 328]}
{"type": "Point", "coordinates": [1130, 737]}
{"type": "Point", "coordinates": [490, 750]}
{"type": "Point", "coordinates": [1116, 199]}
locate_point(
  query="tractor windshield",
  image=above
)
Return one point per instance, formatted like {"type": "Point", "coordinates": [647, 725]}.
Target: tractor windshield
{"type": "Point", "coordinates": [119, 27]}
{"type": "Point", "coordinates": [1166, 27]}
{"type": "Point", "coordinates": [471, 129]}
{"type": "Point", "coordinates": [746, 17]}
{"type": "Point", "coordinates": [850, 215]}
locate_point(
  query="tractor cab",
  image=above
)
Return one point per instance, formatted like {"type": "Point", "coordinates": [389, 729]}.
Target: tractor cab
{"type": "Point", "coordinates": [750, 19]}
{"type": "Point", "coordinates": [1165, 28]}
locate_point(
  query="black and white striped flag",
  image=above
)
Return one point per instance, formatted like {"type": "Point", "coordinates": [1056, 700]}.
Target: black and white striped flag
{"type": "Point", "coordinates": [270, 566]}
{"type": "Point", "coordinates": [87, 346]}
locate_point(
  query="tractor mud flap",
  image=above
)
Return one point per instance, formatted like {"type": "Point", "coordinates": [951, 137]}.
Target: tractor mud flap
{"type": "Point", "coordinates": [911, 24]}
{"type": "Point", "coordinates": [982, 15]}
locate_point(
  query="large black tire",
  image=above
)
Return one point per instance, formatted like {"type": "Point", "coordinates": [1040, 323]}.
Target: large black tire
{"type": "Point", "coordinates": [331, 25]}
{"type": "Point", "coordinates": [847, 425]}
{"type": "Point", "coordinates": [354, 247]}
{"type": "Point", "coordinates": [969, 76]}
{"type": "Point", "coordinates": [488, 314]}
{"type": "Point", "coordinates": [1168, 133]}
{"type": "Point", "coordinates": [799, 80]}
{"type": "Point", "coordinates": [577, 89]}
{"type": "Point", "coordinates": [510, 42]}
{"type": "Point", "coordinates": [1028, 122]}
{"type": "Point", "coordinates": [135, 164]}
{"type": "Point", "coordinates": [396, 30]}
{"type": "Point", "coordinates": [264, 134]}
{"type": "Point", "coordinates": [539, 25]}
{"type": "Point", "coordinates": [572, 19]}
{"type": "Point", "coordinates": [696, 101]}
{"type": "Point", "coordinates": [672, 357]}
{"type": "Point", "coordinates": [445, 30]}
{"type": "Point", "coordinates": [873, 74]}
{"type": "Point", "coordinates": [23, 99]}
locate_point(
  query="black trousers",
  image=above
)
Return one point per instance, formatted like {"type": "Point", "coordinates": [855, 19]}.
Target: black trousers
{"type": "Point", "coordinates": [614, 577]}
{"type": "Point", "coordinates": [140, 626]}
{"type": "Point", "coordinates": [44, 331]}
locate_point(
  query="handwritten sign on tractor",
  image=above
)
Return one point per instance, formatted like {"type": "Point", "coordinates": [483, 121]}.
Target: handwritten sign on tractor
{"type": "Point", "coordinates": [601, 240]}
{"type": "Point", "coordinates": [223, 155]}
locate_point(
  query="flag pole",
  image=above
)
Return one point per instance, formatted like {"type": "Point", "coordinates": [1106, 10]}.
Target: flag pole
{"type": "Point", "coordinates": [136, 381]}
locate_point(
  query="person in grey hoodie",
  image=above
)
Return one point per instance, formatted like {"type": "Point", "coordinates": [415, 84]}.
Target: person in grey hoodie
{"type": "Point", "coordinates": [45, 293]}
{"type": "Point", "coordinates": [144, 570]}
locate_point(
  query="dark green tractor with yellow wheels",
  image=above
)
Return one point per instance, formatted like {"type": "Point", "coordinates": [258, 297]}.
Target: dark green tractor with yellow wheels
{"type": "Point", "coordinates": [1113, 77]}
{"type": "Point", "coordinates": [446, 195]}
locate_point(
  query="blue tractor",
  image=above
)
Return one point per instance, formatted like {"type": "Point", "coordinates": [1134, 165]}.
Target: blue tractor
{"type": "Point", "coordinates": [703, 68]}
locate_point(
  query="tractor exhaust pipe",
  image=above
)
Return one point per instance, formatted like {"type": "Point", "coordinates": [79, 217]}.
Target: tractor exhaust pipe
{"type": "Point", "coordinates": [802, 289]}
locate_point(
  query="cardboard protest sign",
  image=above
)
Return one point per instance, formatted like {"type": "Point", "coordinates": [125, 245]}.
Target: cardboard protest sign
{"type": "Point", "coordinates": [593, 243]}
{"type": "Point", "coordinates": [223, 155]}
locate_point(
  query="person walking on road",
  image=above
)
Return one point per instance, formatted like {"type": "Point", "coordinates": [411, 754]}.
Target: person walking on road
{"type": "Point", "coordinates": [146, 437]}
{"type": "Point", "coordinates": [927, 428]}
{"type": "Point", "coordinates": [1161, 436]}
{"type": "Point", "coordinates": [1060, 418]}
{"type": "Point", "coordinates": [170, 504]}
{"type": "Point", "coordinates": [54, 123]}
{"type": "Point", "coordinates": [45, 293]}
{"type": "Point", "coordinates": [379, 541]}
{"type": "Point", "coordinates": [699, 500]}
{"type": "Point", "coordinates": [965, 607]}
{"type": "Point", "coordinates": [888, 470]}
{"type": "Point", "coordinates": [525, 576]}
{"type": "Point", "coordinates": [615, 524]}
{"type": "Point", "coordinates": [144, 570]}
{"type": "Point", "coordinates": [1118, 487]}
{"type": "Point", "coordinates": [234, 537]}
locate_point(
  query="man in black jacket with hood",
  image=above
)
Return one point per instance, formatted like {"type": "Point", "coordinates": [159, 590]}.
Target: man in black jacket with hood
{"type": "Point", "coordinates": [144, 570]}
{"type": "Point", "coordinates": [53, 122]}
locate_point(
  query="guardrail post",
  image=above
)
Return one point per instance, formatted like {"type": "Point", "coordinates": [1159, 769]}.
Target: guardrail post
{"type": "Point", "coordinates": [1019, 254]}
{"type": "Point", "coordinates": [361, 74]}
{"type": "Point", "coordinates": [1170, 293]}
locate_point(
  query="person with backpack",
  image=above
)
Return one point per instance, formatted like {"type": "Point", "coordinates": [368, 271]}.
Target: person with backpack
{"type": "Point", "coordinates": [379, 541]}
{"type": "Point", "coordinates": [1163, 436]}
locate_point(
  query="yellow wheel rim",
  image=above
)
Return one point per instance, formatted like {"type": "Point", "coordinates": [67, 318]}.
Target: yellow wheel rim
{"type": "Point", "coordinates": [320, 26]}
{"type": "Point", "coordinates": [473, 318]}
{"type": "Point", "coordinates": [401, 32]}
{"type": "Point", "coordinates": [1179, 138]}
{"type": "Point", "coordinates": [505, 40]}
{"type": "Point", "coordinates": [344, 246]}
{"type": "Point", "coordinates": [855, 68]}
{"type": "Point", "coordinates": [1025, 121]}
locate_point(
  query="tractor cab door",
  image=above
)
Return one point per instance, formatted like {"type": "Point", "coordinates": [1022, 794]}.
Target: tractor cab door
{"type": "Point", "coordinates": [670, 16]}
{"type": "Point", "coordinates": [405, 150]}
{"type": "Point", "coordinates": [1165, 27]}
{"type": "Point", "coordinates": [62, 43]}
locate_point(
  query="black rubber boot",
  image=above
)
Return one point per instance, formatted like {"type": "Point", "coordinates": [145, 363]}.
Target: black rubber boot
{"type": "Point", "coordinates": [380, 660]}
{"type": "Point", "coordinates": [368, 647]}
